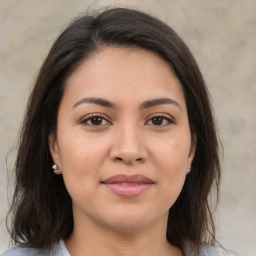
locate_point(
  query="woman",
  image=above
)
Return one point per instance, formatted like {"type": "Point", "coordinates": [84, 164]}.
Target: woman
{"type": "Point", "coordinates": [121, 113]}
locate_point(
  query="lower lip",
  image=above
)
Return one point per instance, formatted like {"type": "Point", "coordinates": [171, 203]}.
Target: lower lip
{"type": "Point", "coordinates": [128, 190]}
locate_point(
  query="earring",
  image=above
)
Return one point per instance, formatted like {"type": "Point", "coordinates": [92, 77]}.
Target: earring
{"type": "Point", "coordinates": [55, 167]}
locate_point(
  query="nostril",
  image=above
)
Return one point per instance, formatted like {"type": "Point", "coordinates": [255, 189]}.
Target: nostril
{"type": "Point", "coordinates": [120, 159]}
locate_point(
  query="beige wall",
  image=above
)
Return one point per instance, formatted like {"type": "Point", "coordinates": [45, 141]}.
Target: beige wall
{"type": "Point", "coordinates": [222, 36]}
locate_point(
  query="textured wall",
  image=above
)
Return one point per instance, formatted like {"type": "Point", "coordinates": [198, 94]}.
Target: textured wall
{"type": "Point", "coordinates": [222, 36]}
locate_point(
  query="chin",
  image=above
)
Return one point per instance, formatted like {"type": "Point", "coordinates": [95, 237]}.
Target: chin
{"type": "Point", "coordinates": [130, 221]}
{"type": "Point", "coordinates": [127, 227]}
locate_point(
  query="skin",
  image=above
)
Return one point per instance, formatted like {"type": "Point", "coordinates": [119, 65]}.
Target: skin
{"type": "Point", "coordinates": [125, 139]}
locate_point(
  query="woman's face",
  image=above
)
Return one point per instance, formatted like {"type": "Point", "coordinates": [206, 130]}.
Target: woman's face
{"type": "Point", "coordinates": [123, 140]}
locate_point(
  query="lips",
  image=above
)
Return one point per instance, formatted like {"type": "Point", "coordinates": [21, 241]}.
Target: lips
{"type": "Point", "coordinates": [128, 186]}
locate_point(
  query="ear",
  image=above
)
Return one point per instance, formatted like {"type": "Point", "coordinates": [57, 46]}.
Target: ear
{"type": "Point", "coordinates": [192, 152]}
{"type": "Point", "coordinates": [54, 150]}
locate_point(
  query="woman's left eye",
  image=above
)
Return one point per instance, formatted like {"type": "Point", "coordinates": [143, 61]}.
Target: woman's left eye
{"type": "Point", "coordinates": [95, 121]}
{"type": "Point", "coordinates": [159, 121]}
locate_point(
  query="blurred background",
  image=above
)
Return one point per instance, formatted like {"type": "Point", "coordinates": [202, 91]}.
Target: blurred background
{"type": "Point", "coordinates": [222, 36]}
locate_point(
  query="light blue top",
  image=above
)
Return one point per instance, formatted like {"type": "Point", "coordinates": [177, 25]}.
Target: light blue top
{"type": "Point", "coordinates": [60, 250]}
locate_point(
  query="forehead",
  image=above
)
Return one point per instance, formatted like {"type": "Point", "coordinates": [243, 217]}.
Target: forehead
{"type": "Point", "coordinates": [124, 73]}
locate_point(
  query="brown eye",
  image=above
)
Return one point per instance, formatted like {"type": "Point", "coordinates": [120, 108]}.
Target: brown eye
{"type": "Point", "coordinates": [159, 121]}
{"type": "Point", "coordinates": [96, 120]}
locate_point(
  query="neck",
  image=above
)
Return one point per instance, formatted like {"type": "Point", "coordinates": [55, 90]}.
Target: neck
{"type": "Point", "coordinates": [93, 239]}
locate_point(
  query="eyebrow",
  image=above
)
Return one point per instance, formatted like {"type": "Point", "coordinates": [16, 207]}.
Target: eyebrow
{"type": "Point", "coordinates": [144, 105]}
{"type": "Point", "coordinates": [159, 101]}
{"type": "Point", "coordinates": [98, 101]}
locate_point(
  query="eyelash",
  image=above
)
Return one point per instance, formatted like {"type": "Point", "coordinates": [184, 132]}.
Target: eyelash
{"type": "Point", "coordinates": [89, 118]}
{"type": "Point", "coordinates": [164, 118]}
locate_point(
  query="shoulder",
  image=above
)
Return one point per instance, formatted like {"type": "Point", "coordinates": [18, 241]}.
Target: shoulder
{"type": "Point", "coordinates": [205, 250]}
{"type": "Point", "coordinates": [209, 250]}
{"type": "Point", "coordinates": [224, 252]}
{"type": "Point", "coordinates": [24, 250]}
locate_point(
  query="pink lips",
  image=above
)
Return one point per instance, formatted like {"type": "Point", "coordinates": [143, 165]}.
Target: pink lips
{"type": "Point", "coordinates": [128, 186]}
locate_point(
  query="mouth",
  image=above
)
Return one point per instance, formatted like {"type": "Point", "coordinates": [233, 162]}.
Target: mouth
{"type": "Point", "coordinates": [128, 186]}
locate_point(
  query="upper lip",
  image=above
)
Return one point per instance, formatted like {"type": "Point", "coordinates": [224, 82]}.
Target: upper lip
{"type": "Point", "coordinates": [123, 178]}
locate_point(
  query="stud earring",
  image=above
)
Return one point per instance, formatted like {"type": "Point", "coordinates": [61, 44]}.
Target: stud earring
{"type": "Point", "coordinates": [55, 167]}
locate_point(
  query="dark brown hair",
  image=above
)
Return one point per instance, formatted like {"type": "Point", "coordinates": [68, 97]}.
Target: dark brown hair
{"type": "Point", "coordinates": [42, 209]}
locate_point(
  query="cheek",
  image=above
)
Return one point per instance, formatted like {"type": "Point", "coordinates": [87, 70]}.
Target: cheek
{"type": "Point", "coordinates": [172, 155]}
{"type": "Point", "coordinates": [81, 160]}
{"type": "Point", "coordinates": [80, 150]}
{"type": "Point", "coordinates": [171, 163]}
{"type": "Point", "coordinates": [173, 174]}
{"type": "Point", "coordinates": [172, 181]}
{"type": "Point", "coordinates": [81, 166]}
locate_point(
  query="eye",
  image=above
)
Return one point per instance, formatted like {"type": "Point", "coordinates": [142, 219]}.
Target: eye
{"type": "Point", "coordinates": [95, 120]}
{"type": "Point", "coordinates": [159, 121]}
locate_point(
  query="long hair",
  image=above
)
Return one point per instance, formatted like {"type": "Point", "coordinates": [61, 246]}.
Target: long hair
{"type": "Point", "coordinates": [41, 210]}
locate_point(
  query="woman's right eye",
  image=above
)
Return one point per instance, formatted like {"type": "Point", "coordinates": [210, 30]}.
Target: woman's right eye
{"type": "Point", "coordinates": [95, 121]}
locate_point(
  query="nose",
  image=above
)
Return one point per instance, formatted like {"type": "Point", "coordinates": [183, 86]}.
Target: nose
{"type": "Point", "coordinates": [128, 146]}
